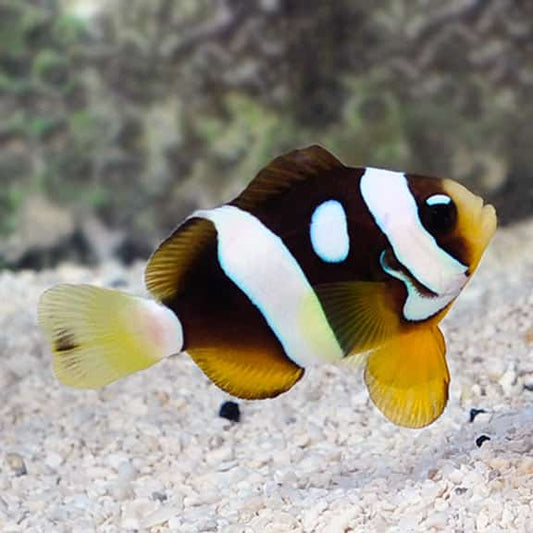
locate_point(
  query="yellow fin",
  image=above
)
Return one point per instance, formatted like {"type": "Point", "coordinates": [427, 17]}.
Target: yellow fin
{"type": "Point", "coordinates": [167, 269]}
{"type": "Point", "coordinates": [247, 373]}
{"type": "Point", "coordinates": [354, 361]}
{"type": "Point", "coordinates": [100, 335]}
{"type": "Point", "coordinates": [360, 313]}
{"type": "Point", "coordinates": [285, 171]}
{"type": "Point", "coordinates": [407, 378]}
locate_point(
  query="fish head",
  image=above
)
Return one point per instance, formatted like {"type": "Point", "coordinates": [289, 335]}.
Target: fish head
{"type": "Point", "coordinates": [438, 231]}
{"type": "Point", "coordinates": [459, 220]}
{"type": "Point", "coordinates": [475, 223]}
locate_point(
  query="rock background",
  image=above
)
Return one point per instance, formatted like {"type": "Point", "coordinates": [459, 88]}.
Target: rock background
{"type": "Point", "coordinates": [129, 114]}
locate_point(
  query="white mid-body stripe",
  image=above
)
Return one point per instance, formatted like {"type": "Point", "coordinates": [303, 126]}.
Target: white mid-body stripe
{"type": "Point", "coordinates": [394, 209]}
{"type": "Point", "coordinates": [260, 264]}
{"type": "Point", "coordinates": [329, 232]}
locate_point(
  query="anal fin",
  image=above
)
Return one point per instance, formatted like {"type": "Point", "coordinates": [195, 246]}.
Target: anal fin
{"type": "Point", "coordinates": [250, 373]}
{"type": "Point", "coordinates": [408, 378]}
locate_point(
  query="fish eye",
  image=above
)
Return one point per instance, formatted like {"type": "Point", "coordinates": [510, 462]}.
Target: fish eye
{"type": "Point", "coordinates": [438, 214]}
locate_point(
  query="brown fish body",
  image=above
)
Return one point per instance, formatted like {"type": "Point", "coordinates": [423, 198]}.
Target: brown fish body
{"type": "Point", "coordinates": [314, 262]}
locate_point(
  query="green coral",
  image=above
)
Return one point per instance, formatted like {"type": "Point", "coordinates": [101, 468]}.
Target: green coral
{"type": "Point", "coordinates": [149, 109]}
{"type": "Point", "coordinates": [38, 74]}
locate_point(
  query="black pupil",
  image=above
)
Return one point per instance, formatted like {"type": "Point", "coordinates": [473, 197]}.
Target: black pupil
{"type": "Point", "coordinates": [439, 218]}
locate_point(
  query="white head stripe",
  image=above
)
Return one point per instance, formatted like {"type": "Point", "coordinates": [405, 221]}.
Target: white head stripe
{"type": "Point", "coordinates": [329, 232]}
{"type": "Point", "coordinates": [260, 264]}
{"type": "Point", "coordinates": [418, 306]}
{"type": "Point", "coordinates": [394, 209]}
{"type": "Point", "coordinates": [439, 199]}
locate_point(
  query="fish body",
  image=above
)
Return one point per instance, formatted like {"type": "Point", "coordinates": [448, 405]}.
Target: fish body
{"type": "Point", "coordinates": [314, 262]}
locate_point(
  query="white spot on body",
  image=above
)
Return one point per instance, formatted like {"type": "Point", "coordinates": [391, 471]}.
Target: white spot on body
{"type": "Point", "coordinates": [394, 209]}
{"type": "Point", "coordinates": [260, 264]}
{"type": "Point", "coordinates": [329, 232]}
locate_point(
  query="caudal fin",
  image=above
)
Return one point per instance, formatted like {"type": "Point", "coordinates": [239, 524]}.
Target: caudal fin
{"type": "Point", "coordinates": [100, 335]}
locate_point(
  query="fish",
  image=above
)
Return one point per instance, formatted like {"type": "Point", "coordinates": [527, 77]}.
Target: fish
{"type": "Point", "coordinates": [313, 263]}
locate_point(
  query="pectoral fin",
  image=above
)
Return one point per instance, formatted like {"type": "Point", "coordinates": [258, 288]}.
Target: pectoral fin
{"type": "Point", "coordinates": [360, 314]}
{"type": "Point", "coordinates": [407, 377]}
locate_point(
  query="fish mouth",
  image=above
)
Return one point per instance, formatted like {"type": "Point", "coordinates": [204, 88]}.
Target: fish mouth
{"type": "Point", "coordinates": [483, 230]}
{"type": "Point", "coordinates": [489, 221]}
{"type": "Point", "coordinates": [484, 219]}
{"type": "Point", "coordinates": [476, 222]}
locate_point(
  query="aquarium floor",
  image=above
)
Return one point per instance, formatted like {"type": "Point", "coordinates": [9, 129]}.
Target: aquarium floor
{"type": "Point", "coordinates": [150, 453]}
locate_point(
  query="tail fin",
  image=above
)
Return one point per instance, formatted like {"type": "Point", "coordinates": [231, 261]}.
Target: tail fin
{"type": "Point", "coordinates": [101, 335]}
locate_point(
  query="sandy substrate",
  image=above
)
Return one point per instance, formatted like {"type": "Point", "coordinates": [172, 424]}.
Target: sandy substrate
{"type": "Point", "coordinates": [150, 452]}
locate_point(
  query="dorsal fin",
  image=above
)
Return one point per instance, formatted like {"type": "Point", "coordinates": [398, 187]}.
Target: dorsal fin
{"type": "Point", "coordinates": [166, 270]}
{"type": "Point", "coordinates": [169, 264]}
{"type": "Point", "coordinates": [284, 171]}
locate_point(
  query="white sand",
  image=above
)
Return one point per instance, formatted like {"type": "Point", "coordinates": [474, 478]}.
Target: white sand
{"type": "Point", "coordinates": [150, 453]}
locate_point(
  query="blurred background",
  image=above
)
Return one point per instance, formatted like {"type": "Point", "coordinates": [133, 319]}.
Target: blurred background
{"type": "Point", "coordinates": [119, 117]}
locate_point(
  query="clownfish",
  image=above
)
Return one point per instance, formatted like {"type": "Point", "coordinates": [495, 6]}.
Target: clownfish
{"type": "Point", "coordinates": [314, 262]}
